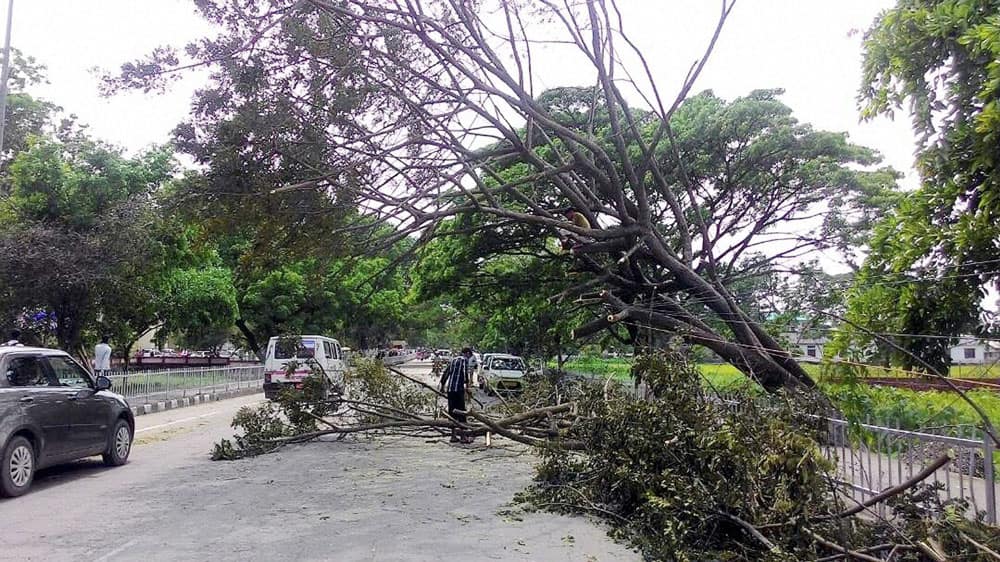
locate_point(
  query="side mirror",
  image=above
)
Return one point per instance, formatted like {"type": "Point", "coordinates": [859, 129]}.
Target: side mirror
{"type": "Point", "coordinates": [103, 383]}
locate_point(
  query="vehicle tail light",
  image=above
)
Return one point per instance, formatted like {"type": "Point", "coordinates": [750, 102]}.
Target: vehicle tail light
{"type": "Point", "coordinates": [267, 378]}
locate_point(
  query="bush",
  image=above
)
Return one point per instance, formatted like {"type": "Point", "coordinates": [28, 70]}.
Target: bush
{"type": "Point", "coordinates": [676, 474]}
{"type": "Point", "coordinates": [295, 412]}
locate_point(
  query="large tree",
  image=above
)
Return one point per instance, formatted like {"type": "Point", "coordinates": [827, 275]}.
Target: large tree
{"type": "Point", "coordinates": [78, 222]}
{"type": "Point", "coordinates": [428, 84]}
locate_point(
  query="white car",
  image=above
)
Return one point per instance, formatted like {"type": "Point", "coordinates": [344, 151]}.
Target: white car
{"type": "Point", "coordinates": [502, 372]}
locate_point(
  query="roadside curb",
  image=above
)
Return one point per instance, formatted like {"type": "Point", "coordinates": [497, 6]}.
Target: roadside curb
{"type": "Point", "coordinates": [173, 404]}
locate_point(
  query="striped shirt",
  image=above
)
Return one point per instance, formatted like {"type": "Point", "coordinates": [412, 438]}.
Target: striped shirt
{"type": "Point", "coordinates": [458, 374]}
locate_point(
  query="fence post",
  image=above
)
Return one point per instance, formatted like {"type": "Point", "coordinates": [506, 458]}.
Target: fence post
{"type": "Point", "coordinates": [989, 475]}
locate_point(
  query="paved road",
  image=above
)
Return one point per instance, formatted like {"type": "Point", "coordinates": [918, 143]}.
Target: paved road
{"type": "Point", "coordinates": [385, 499]}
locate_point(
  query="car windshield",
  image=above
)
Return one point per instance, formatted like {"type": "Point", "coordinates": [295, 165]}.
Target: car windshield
{"type": "Point", "coordinates": [508, 364]}
{"type": "Point", "coordinates": [285, 349]}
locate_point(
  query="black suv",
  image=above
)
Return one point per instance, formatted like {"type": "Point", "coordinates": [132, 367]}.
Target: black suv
{"type": "Point", "coordinates": [52, 411]}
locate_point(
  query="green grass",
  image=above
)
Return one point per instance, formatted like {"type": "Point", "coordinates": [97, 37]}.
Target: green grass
{"type": "Point", "coordinates": [616, 367]}
{"type": "Point", "coordinates": [956, 371]}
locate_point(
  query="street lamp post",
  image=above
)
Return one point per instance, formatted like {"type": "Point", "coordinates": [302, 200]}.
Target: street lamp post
{"type": "Point", "coordinates": [5, 74]}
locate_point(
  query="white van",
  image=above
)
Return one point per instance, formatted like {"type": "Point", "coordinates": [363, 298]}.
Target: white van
{"type": "Point", "coordinates": [312, 350]}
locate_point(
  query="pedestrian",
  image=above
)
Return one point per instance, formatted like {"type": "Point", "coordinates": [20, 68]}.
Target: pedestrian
{"type": "Point", "coordinates": [102, 357]}
{"type": "Point", "coordinates": [473, 370]}
{"type": "Point", "coordinates": [15, 338]}
{"type": "Point", "coordinates": [455, 383]}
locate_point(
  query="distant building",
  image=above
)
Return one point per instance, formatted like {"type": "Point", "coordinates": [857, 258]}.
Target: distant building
{"type": "Point", "coordinates": [992, 352]}
{"type": "Point", "coordinates": [805, 347]}
{"type": "Point", "coordinates": [971, 350]}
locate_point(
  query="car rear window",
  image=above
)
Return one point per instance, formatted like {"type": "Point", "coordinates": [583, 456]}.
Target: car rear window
{"type": "Point", "coordinates": [287, 350]}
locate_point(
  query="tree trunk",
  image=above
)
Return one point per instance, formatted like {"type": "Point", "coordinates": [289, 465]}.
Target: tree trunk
{"type": "Point", "coordinates": [250, 337]}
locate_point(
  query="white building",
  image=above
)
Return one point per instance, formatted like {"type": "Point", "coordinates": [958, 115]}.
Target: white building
{"type": "Point", "coordinates": [971, 350]}
{"type": "Point", "coordinates": [805, 347]}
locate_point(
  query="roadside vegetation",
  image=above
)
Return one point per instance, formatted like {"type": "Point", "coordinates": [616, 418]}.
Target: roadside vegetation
{"type": "Point", "coordinates": [377, 169]}
{"type": "Point", "coordinates": [893, 407]}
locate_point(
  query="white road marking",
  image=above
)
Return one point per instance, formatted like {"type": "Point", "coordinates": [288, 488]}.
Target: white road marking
{"type": "Point", "coordinates": [116, 551]}
{"type": "Point", "coordinates": [152, 427]}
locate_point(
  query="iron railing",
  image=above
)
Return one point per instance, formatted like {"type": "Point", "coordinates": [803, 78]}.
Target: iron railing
{"type": "Point", "coordinates": [399, 359]}
{"type": "Point", "coordinates": [872, 458]}
{"type": "Point", "coordinates": [173, 384]}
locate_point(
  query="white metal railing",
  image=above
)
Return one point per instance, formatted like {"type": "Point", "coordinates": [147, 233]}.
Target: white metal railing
{"type": "Point", "coordinates": [170, 384]}
{"type": "Point", "coordinates": [871, 458]}
{"type": "Point", "coordinates": [876, 458]}
{"type": "Point", "coordinates": [397, 359]}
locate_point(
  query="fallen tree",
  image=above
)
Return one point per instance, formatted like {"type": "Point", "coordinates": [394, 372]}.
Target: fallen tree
{"type": "Point", "coordinates": [677, 474]}
{"type": "Point", "coordinates": [418, 112]}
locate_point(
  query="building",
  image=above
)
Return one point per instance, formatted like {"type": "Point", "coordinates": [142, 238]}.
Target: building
{"type": "Point", "coordinates": [805, 347]}
{"type": "Point", "coordinates": [992, 352]}
{"type": "Point", "coordinates": [971, 350]}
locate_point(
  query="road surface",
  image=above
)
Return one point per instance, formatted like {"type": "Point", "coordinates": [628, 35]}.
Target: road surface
{"type": "Point", "coordinates": [386, 499]}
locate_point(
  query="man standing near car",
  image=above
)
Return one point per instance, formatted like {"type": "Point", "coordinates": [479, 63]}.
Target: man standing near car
{"type": "Point", "coordinates": [102, 357]}
{"type": "Point", "coordinates": [455, 383]}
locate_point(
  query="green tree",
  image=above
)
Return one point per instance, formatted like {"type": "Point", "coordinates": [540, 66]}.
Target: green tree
{"type": "Point", "coordinates": [497, 280]}
{"type": "Point", "coordinates": [368, 296]}
{"type": "Point", "coordinates": [76, 222]}
{"type": "Point", "coordinates": [936, 254]}
{"type": "Point", "coordinates": [201, 306]}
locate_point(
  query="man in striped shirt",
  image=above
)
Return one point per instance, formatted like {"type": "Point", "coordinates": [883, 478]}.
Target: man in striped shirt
{"type": "Point", "coordinates": [455, 383]}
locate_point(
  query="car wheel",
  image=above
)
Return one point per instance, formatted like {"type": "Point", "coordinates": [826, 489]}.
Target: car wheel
{"type": "Point", "coordinates": [18, 467]}
{"type": "Point", "coordinates": [121, 444]}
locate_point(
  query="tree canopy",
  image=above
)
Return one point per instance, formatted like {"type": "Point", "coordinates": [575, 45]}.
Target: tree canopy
{"type": "Point", "coordinates": [418, 113]}
{"type": "Point", "coordinates": [934, 257]}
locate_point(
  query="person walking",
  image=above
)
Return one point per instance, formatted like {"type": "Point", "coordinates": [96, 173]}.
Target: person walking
{"type": "Point", "coordinates": [455, 383]}
{"type": "Point", "coordinates": [102, 357]}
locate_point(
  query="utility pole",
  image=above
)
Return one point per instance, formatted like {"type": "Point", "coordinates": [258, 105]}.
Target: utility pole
{"type": "Point", "coordinates": [5, 73]}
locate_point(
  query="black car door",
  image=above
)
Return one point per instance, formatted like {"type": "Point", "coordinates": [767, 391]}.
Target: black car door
{"type": "Point", "coordinates": [91, 411]}
{"type": "Point", "coordinates": [45, 403]}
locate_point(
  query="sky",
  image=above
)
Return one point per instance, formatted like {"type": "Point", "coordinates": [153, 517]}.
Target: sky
{"type": "Point", "coordinates": [803, 46]}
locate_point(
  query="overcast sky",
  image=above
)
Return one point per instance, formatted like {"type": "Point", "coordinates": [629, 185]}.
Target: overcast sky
{"type": "Point", "coordinates": [803, 46]}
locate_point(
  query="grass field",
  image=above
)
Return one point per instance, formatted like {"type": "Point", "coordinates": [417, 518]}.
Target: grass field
{"type": "Point", "coordinates": [889, 406]}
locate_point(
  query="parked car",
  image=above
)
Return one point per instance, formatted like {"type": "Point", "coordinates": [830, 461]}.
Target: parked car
{"type": "Point", "coordinates": [502, 372]}
{"type": "Point", "coordinates": [287, 367]}
{"type": "Point", "coordinates": [52, 411]}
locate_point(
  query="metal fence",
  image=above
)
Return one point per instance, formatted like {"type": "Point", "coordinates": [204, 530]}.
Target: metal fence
{"type": "Point", "coordinates": [171, 384]}
{"type": "Point", "coordinates": [399, 359]}
{"type": "Point", "coordinates": [872, 458]}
